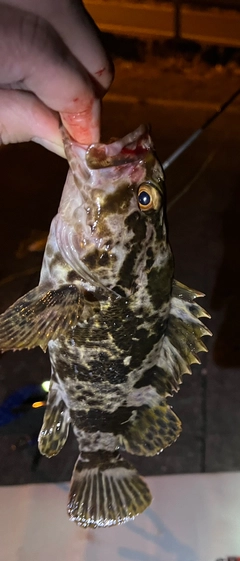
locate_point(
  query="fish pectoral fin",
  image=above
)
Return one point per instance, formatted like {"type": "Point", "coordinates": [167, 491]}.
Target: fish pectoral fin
{"type": "Point", "coordinates": [150, 430]}
{"type": "Point", "coordinates": [105, 491]}
{"type": "Point", "coordinates": [55, 427]}
{"type": "Point", "coordinates": [39, 316]}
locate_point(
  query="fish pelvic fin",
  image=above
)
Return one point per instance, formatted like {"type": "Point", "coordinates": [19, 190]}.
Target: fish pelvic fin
{"type": "Point", "coordinates": [182, 341]}
{"type": "Point", "coordinates": [106, 491]}
{"type": "Point", "coordinates": [150, 430]}
{"type": "Point", "coordinates": [55, 427]}
{"type": "Point", "coordinates": [43, 314]}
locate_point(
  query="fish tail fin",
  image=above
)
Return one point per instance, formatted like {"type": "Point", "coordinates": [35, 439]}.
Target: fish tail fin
{"type": "Point", "coordinates": [106, 490]}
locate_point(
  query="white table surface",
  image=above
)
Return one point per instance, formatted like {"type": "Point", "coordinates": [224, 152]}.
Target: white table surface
{"type": "Point", "coordinates": [193, 517]}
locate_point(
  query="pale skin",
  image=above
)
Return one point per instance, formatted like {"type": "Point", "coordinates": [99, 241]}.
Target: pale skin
{"type": "Point", "coordinates": [52, 67]}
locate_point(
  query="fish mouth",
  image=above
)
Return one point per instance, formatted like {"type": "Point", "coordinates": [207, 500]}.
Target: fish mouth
{"type": "Point", "coordinates": [129, 149]}
{"type": "Point", "coordinates": [133, 147]}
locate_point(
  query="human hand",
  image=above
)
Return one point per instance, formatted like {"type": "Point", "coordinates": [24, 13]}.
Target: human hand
{"type": "Point", "coordinates": [51, 61]}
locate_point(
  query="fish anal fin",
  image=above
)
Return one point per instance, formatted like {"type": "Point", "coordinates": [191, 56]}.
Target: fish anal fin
{"type": "Point", "coordinates": [106, 490]}
{"type": "Point", "coordinates": [152, 430]}
{"type": "Point", "coordinates": [55, 428]}
{"type": "Point", "coordinates": [43, 314]}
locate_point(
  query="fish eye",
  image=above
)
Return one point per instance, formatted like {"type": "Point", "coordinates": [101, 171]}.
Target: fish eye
{"type": "Point", "coordinates": [148, 197]}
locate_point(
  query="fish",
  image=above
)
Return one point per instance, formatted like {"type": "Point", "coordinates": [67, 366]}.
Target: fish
{"type": "Point", "coordinates": [120, 330]}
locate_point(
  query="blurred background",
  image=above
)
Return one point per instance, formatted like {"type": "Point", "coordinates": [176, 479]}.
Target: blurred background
{"type": "Point", "coordinates": [176, 63]}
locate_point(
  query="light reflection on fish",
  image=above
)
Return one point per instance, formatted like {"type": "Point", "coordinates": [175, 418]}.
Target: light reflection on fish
{"type": "Point", "coordinates": [120, 331]}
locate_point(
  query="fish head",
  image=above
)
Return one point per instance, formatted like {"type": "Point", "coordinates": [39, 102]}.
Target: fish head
{"type": "Point", "coordinates": [113, 208]}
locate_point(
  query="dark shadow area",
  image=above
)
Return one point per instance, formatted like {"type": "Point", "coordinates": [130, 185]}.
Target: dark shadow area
{"type": "Point", "coordinates": [176, 47]}
{"type": "Point", "coordinates": [218, 55]}
{"type": "Point", "coordinates": [226, 293]}
{"type": "Point", "coordinates": [128, 48]}
{"type": "Point", "coordinates": [226, 4]}
{"type": "Point", "coordinates": [31, 184]}
{"type": "Point", "coordinates": [138, 50]}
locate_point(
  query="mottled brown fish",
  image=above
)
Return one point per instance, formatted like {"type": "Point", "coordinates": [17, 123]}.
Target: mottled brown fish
{"type": "Point", "coordinates": [120, 331]}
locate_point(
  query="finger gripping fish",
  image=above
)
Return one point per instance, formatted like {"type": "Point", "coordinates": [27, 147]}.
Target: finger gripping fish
{"type": "Point", "coordinates": [120, 331]}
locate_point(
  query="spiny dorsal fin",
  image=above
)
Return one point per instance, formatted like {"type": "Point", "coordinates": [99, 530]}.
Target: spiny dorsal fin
{"type": "Point", "coordinates": [182, 341]}
{"type": "Point", "coordinates": [39, 316]}
{"type": "Point", "coordinates": [182, 292]}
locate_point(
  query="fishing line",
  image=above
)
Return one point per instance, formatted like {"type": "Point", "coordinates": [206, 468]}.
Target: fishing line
{"type": "Point", "coordinates": [199, 131]}
{"type": "Point", "coordinates": [193, 180]}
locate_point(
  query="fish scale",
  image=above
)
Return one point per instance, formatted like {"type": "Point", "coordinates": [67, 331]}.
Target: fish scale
{"type": "Point", "coordinates": [120, 331]}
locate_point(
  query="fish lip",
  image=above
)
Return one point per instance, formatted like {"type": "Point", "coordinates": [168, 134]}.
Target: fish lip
{"type": "Point", "coordinates": [117, 146]}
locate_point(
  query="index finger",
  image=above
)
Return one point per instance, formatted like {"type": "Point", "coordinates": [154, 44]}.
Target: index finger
{"type": "Point", "coordinates": [33, 57]}
{"type": "Point", "coordinates": [79, 32]}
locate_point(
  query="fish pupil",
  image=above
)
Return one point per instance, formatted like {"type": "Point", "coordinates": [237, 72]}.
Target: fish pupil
{"type": "Point", "coordinates": [144, 198]}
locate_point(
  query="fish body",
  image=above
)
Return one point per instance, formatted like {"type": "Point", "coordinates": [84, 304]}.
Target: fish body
{"type": "Point", "coordinates": [120, 331]}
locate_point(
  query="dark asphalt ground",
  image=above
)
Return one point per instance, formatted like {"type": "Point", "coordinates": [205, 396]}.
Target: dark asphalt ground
{"type": "Point", "coordinates": [204, 217]}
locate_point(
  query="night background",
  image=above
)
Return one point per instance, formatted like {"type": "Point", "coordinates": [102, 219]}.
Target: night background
{"type": "Point", "coordinates": [173, 71]}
